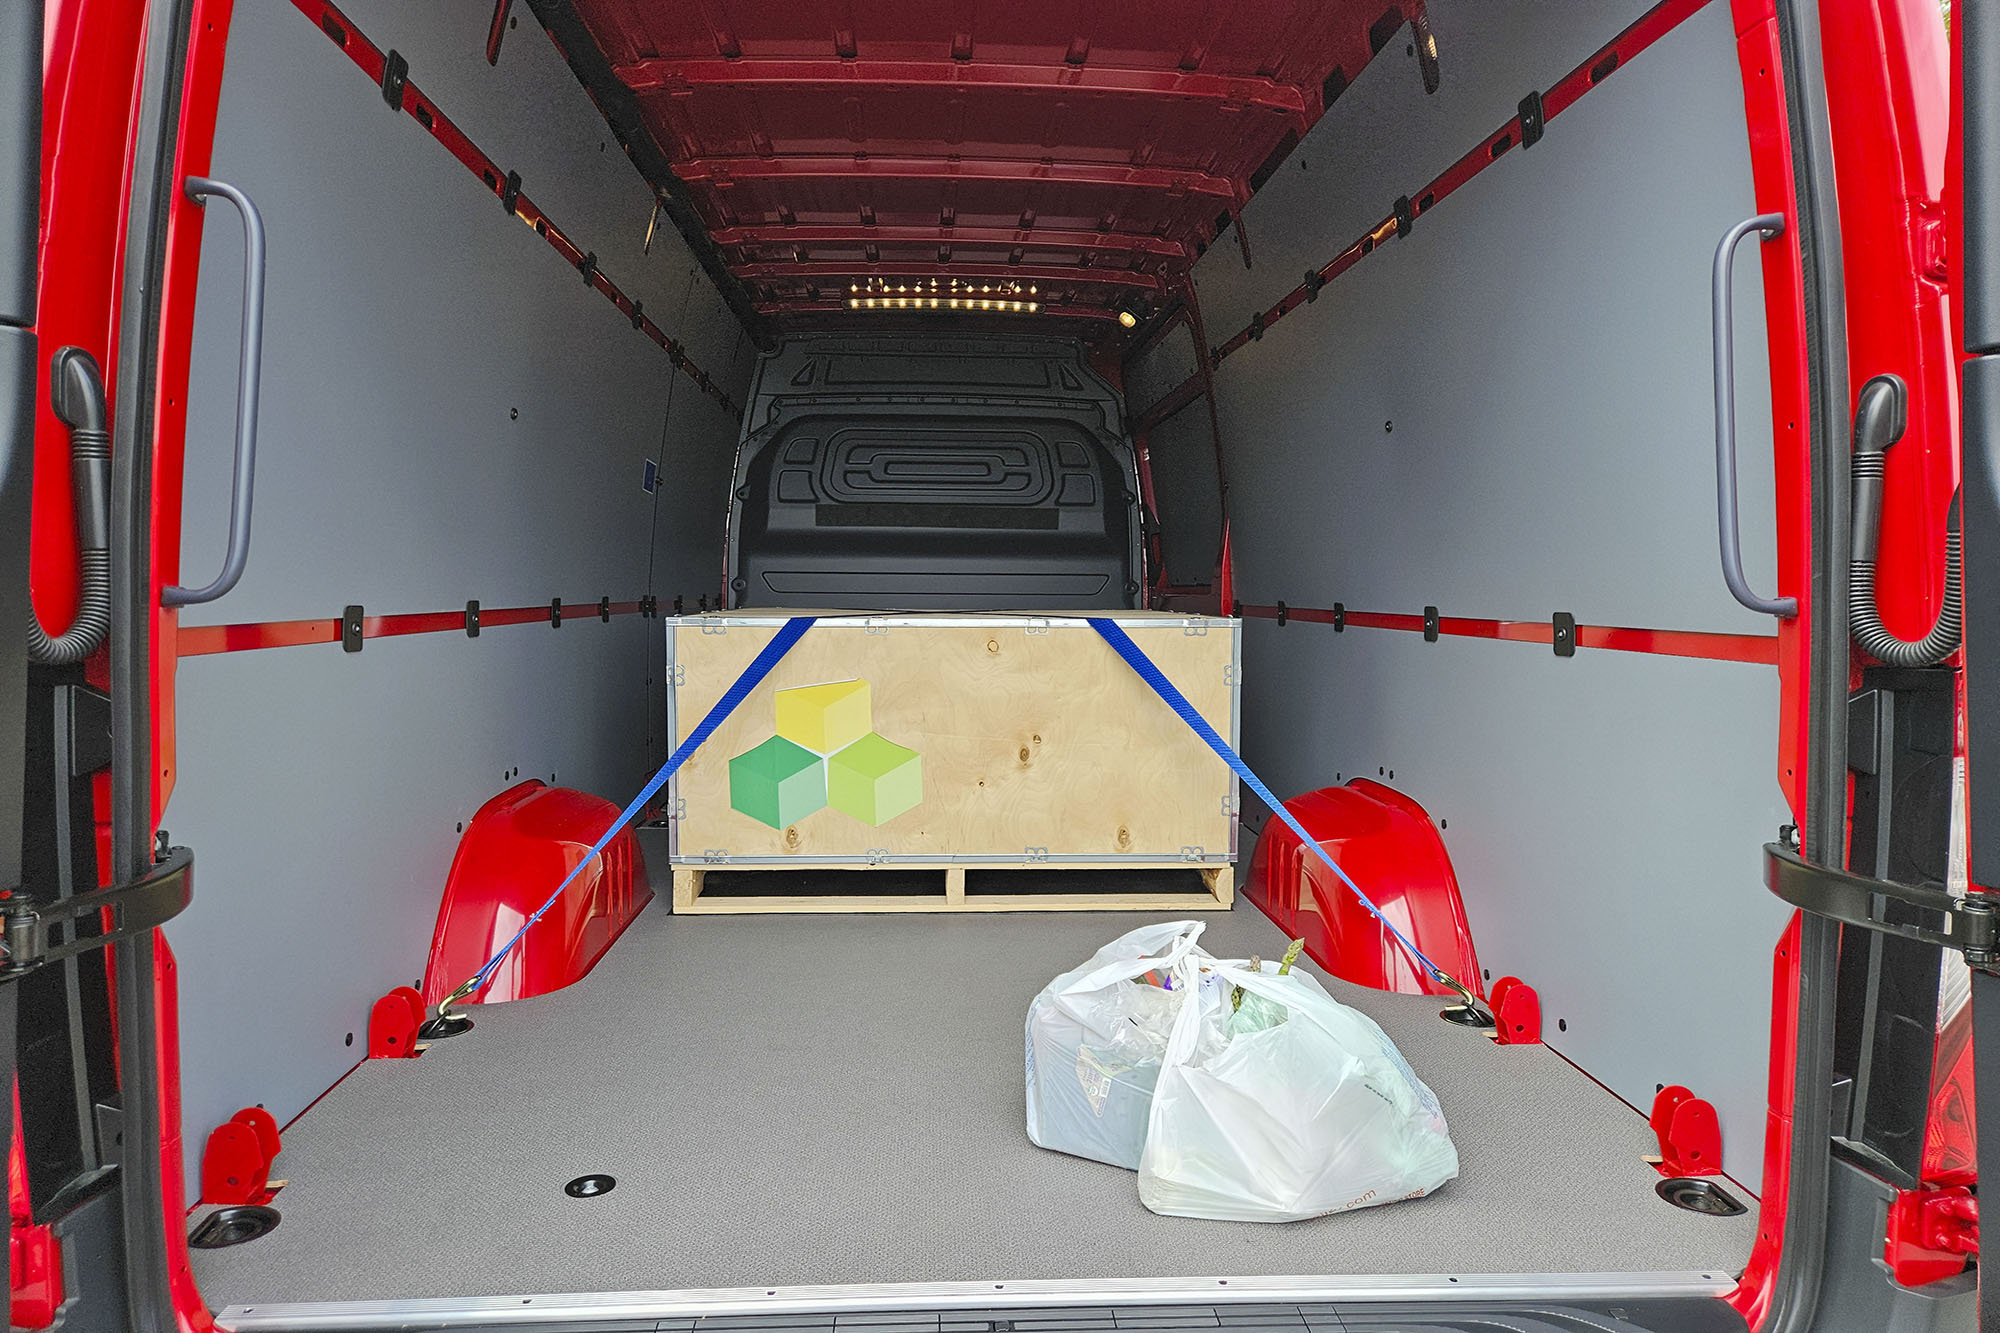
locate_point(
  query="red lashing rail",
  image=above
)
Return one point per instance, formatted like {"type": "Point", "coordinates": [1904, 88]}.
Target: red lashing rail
{"type": "Point", "coordinates": [1757, 649]}
{"type": "Point", "coordinates": [371, 61]}
{"type": "Point", "coordinates": [199, 640]}
{"type": "Point", "coordinates": [1648, 28]}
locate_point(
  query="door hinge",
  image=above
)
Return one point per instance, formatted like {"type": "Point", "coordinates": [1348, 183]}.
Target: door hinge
{"type": "Point", "coordinates": [28, 931]}
{"type": "Point", "coordinates": [1933, 259]}
{"type": "Point", "coordinates": [1970, 925]}
{"type": "Point", "coordinates": [1931, 1232]}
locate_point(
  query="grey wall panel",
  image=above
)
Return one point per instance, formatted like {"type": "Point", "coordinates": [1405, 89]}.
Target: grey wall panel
{"type": "Point", "coordinates": [1385, 136]}
{"type": "Point", "coordinates": [1605, 815]}
{"type": "Point", "coordinates": [1164, 368]}
{"type": "Point", "coordinates": [322, 793]}
{"type": "Point", "coordinates": [1540, 342]}
{"type": "Point", "coordinates": [448, 414]}
{"type": "Point", "coordinates": [1541, 345]}
{"type": "Point", "coordinates": [1184, 487]}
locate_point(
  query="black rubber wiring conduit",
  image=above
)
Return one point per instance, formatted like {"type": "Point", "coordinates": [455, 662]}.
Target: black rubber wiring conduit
{"type": "Point", "coordinates": [76, 390]}
{"type": "Point", "coordinates": [1880, 418]}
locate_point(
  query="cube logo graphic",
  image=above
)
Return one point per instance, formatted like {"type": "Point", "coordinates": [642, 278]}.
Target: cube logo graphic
{"type": "Point", "coordinates": [778, 782]}
{"type": "Point", "coordinates": [826, 752]}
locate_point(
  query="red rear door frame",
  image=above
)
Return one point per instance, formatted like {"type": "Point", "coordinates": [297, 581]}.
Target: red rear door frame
{"type": "Point", "coordinates": [1791, 154]}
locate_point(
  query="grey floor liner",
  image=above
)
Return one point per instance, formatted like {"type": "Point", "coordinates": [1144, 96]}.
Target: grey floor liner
{"type": "Point", "coordinates": [799, 1100]}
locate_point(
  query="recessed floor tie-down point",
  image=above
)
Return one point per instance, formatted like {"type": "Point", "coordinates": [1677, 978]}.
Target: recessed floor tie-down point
{"type": "Point", "coordinates": [1467, 1013]}
{"type": "Point", "coordinates": [233, 1226]}
{"type": "Point", "coordinates": [1700, 1196]}
{"type": "Point", "coordinates": [448, 1023]}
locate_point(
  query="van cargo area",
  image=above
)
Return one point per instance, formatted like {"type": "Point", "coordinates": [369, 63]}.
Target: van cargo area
{"type": "Point", "coordinates": [835, 1102]}
{"type": "Point", "coordinates": [755, 534]}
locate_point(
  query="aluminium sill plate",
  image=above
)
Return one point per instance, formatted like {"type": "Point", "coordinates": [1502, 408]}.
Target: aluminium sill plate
{"type": "Point", "coordinates": [635, 1306]}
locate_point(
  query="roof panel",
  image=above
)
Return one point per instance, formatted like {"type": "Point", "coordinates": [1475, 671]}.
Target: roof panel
{"type": "Point", "coordinates": [941, 132]}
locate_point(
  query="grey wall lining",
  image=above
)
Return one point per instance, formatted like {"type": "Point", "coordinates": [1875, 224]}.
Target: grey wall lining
{"type": "Point", "coordinates": [1182, 453]}
{"type": "Point", "coordinates": [1170, 362]}
{"type": "Point", "coordinates": [408, 321]}
{"type": "Point", "coordinates": [1182, 449]}
{"type": "Point", "coordinates": [1604, 814]}
{"type": "Point", "coordinates": [1540, 343]}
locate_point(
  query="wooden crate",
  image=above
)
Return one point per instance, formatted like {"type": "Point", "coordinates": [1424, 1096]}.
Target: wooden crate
{"type": "Point", "coordinates": [820, 893]}
{"type": "Point", "coordinates": [1034, 743]}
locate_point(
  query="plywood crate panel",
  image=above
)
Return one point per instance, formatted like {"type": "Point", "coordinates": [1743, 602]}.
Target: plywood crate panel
{"type": "Point", "coordinates": [953, 739]}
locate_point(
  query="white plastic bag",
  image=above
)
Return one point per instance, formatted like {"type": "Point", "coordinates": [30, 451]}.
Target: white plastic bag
{"type": "Point", "coordinates": [1316, 1113]}
{"type": "Point", "coordinates": [1096, 1035]}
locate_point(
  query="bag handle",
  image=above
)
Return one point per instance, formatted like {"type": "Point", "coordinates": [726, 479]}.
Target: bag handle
{"type": "Point", "coordinates": [1341, 1023]}
{"type": "Point", "coordinates": [1236, 972]}
{"type": "Point", "coordinates": [1187, 1023]}
{"type": "Point", "coordinates": [1128, 969]}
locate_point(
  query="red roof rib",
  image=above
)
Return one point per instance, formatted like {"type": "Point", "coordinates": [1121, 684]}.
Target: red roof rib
{"type": "Point", "coordinates": [1093, 153]}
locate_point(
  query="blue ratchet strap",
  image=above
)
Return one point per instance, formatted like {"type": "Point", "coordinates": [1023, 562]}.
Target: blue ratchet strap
{"type": "Point", "coordinates": [1135, 657]}
{"type": "Point", "coordinates": [753, 676]}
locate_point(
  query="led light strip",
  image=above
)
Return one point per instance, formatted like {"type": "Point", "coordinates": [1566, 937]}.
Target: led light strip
{"type": "Point", "coordinates": [954, 294]}
{"type": "Point", "coordinates": [935, 303]}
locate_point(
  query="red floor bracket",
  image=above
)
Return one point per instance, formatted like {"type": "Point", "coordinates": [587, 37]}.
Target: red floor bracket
{"type": "Point", "coordinates": [34, 1268]}
{"type": "Point", "coordinates": [236, 1164]}
{"type": "Point", "coordinates": [34, 1256]}
{"type": "Point", "coordinates": [1517, 1013]}
{"type": "Point", "coordinates": [1932, 1231]}
{"type": "Point", "coordinates": [393, 1024]}
{"type": "Point", "coordinates": [1690, 1136]}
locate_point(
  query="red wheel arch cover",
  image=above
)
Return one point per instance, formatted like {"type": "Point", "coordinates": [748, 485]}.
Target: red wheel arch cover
{"type": "Point", "coordinates": [1389, 844]}
{"type": "Point", "coordinates": [514, 851]}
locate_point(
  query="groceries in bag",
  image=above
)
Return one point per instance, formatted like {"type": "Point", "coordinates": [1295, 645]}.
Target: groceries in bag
{"type": "Point", "coordinates": [1238, 1089]}
{"type": "Point", "coordinates": [1273, 1121]}
{"type": "Point", "coordinates": [1095, 1037]}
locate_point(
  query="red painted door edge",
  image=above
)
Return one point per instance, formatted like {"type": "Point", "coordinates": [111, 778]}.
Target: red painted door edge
{"type": "Point", "coordinates": [200, 96]}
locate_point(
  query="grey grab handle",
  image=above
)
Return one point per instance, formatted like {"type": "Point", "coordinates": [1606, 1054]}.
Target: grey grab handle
{"type": "Point", "coordinates": [243, 487]}
{"type": "Point", "coordinates": [1727, 529]}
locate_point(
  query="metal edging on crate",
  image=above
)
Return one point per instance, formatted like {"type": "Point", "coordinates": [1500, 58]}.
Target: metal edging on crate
{"type": "Point", "coordinates": [671, 681]}
{"type": "Point", "coordinates": [972, 860]}
{"type": "Point", "coordinates": [1236, 735]}
{"type": "Point", "coordinates": [962, 620]}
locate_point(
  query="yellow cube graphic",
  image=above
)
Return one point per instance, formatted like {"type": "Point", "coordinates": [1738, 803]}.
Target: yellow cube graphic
{"type": "Point", "coordinates": [823, 718]}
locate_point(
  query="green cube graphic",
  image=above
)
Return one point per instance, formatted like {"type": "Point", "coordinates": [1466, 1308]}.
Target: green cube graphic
{"type": "Point", "coordinates": [874, 779]}
{"type": "Point", "coordinates": [777, 783]}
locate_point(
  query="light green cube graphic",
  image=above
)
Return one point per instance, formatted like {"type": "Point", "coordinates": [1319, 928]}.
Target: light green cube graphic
{"type": "Point", "coordinates": [777, 783]}
{"type": "Point", "coordinates": [874, 779]}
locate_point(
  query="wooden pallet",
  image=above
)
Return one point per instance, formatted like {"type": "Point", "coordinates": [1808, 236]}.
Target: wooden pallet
{"type": "Point", "coordinates": [820, 889]}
